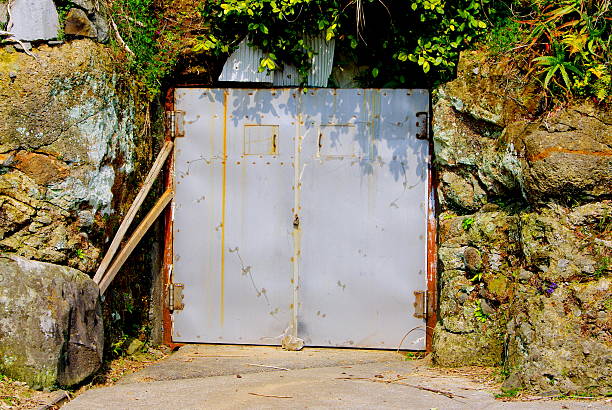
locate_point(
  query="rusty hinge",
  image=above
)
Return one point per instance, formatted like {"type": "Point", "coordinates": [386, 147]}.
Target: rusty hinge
{"type": "Point", "coordinates": [422, 125]}
{"type": "Point", "coordinates": [420, 304]}
{"type": "Point", "coordinates": [175, 296]}
{"type": "Point", "coordinates": [175, 123]}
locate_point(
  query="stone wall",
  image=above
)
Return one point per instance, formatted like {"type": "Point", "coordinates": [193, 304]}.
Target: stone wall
{"type": "Point", "coordinates": [75, 145]}
{"type": "Point", "coordinates": [525, 231]}
{"type": "Point", "coordinates": [66, 144]}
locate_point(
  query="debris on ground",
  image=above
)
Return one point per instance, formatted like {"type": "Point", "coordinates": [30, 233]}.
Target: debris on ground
{"type": "Point", "coordinates": [18, 395]}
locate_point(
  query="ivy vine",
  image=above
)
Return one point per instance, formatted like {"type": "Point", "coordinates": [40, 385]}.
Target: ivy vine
{"type": "Point", "coordinates": [397, 41]}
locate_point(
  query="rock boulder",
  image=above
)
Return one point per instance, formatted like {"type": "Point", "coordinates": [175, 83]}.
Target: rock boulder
{"type": "Point", "coordinates": [51, 330]}
{"type": "Point", "coordinates": [33, 20]}
{"type": "Point", "coordinates": [568, 154]}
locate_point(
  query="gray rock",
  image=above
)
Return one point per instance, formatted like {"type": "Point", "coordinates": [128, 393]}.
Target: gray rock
{"type": "Point", "coordinates": [551, 345]}
{"type": "Point", "coordinates": [67, 134]}
{"type": "Point", "coordinates": [463, 193]}
{"type": "Point", "coordinates": [51, 330]}
{"type": "Point", "coordinates": [560, 162]}
{"type": "Point", "coordinates": [134, 346]}
{"type": "Point", "coordinates": [77, 24]}
{"type": "Point", "coordinates": [86, 5]}
{"type": "Point", "coordinates": [33, 20]}
{"type": "Point", "coordinates": [486, 308]}
{"type": "Point", "coordinates": [3, 15]}
{"type": "Point", "coordinates": [102, 28]}
{"type": "Point", "coordinates": [23, 46]}
{"type": "Point", "coordinates": [524, 275]}
{"type": "Point", "coordinates": [473, 260]}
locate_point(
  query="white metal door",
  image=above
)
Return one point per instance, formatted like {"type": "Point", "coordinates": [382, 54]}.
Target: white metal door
{"type": "Point", "coordinates": [300, 212]}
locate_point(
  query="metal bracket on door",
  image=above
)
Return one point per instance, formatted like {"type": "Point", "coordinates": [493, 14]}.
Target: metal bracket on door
{"type": "Point", "coordinates": [420, 304]}
{"type": "Point", "coordinates": [422, 125]}
{"type": "Point", "coordinates": [175, 296]}
{"type": "Point", "coordinates": [175, 122]}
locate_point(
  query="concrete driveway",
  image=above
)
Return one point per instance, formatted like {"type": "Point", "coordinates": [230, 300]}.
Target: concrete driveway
{"type": "Point", "coordinates": [255, 377]}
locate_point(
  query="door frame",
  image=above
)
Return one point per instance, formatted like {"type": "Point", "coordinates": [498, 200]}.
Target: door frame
{"type": "Point", "coordinates": [168, 240]}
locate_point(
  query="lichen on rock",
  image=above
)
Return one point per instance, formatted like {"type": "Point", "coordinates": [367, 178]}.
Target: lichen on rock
{"type": "Point", "coordinates": [51, 330]}
{"type": "Point", "coordinates": [525, 236]}
{"type": "Point", "coordinates": [68, 135]}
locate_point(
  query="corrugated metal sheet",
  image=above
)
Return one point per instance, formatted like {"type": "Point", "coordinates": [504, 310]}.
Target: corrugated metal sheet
{"type": "Point", "coordinates": [243, 66]}
{"type": "Point", "coordinates": [322, 61]}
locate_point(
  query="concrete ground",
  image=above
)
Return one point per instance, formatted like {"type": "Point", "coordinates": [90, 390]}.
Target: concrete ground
{"type": "Point", "coordinates": [255, 377]}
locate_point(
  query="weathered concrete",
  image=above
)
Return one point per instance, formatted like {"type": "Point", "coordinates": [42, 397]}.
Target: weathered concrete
{"type": "Point", "coordinates": [318, 378]}
{"type": "Point", "coordinates": [51, 329]}
{"type": "Point", "coordinates": [219, 360]}
{"type": "Point", "coordinates": [33, 20]}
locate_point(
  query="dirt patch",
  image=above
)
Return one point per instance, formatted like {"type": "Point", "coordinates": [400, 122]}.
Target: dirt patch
{"type": "Point", "coordinates": [17, 395]}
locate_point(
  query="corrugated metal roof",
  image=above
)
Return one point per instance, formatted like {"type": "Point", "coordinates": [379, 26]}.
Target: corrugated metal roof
{"type": "Point", "coordinates": [243, 65]}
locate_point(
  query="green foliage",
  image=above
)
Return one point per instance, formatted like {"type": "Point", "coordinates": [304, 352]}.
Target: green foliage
{"type": "Point", "coordinates": [390, 44]}
{"type": "Point", "coordinates": [467, 223]}
{"type": "Point", "coordinates": [63, 7]}
{"type": "Point", "coordinates": [504, 36]}
{"type": "Point", "coordinates": [392, 39]}
{"type": "Point", "coordinates": [409, 356]}
{"type": "Point", "coordinates": [568, 43]}
{"type": "Point", "coordinates": [479, 314]}
{"type": "Point", "coordinates": [277, 27]}
{"type": "Point", "coordinates": [119, 346]}
{"type": "Point", "coordinates": [477, 277]}
{"type": "Point", "coordinates": [509, 394]}
{"type": "Point", "coordinates": [603, 266]}
{"type": "Point", "coordinates": [154, 45]}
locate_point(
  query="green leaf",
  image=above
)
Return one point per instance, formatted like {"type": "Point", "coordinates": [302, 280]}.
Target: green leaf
{"type": "Point", "coordinates": [375, 72]}
{"type": "Point", "coordinates": [566, 78]}
{"type": "Point", "coordinates": [549, 75]}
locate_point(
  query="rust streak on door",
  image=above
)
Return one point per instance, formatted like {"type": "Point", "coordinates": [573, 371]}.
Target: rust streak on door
{"type": "Point", "coordinates": [223, 208]}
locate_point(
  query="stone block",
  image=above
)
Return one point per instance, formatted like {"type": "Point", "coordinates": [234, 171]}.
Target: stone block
{"type": "Point", "coordinates": [3, 14]}
{"type": "Point", "coordinates": [557, 340]}
{"type": "Point", "coordinates": [33, 20]}
{"type": "Point", "coordinates": [51, 330]}
{"type": "Point", "coordinates": [77, 24]}
{"type": "Point", "coordinates": [86, 5]}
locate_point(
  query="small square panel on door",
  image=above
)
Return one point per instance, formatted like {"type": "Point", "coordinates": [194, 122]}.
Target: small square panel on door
{"type": "Point", "coordinates": [337, 140]}
{"type": "Point", "coordinates": [260, 139]}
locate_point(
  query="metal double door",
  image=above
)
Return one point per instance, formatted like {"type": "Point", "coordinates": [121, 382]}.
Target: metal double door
{"type": "Point", "coordinates": [300, 213]}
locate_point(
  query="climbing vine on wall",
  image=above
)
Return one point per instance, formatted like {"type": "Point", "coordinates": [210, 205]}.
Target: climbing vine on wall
{"type": "Point", "coordinates": [393, 39]}
{"type": "Point", "coordinates": [386, 43]}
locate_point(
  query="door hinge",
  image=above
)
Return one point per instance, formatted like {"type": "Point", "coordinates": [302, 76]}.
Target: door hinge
{"type": "Point", "coordinates": [422, 125]}
{"type": "Point", "coordinates": [175, 296]}
{"type": "Point", "coordinates": [175, 124]}
{"type": "Point", "coordinates": [420, 304]}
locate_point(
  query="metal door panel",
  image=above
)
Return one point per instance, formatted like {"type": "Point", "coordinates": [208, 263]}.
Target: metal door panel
{"type": "Point", "coordinates": [233, 243]}
{"type": "Point", "coordinates": [348, 164]}
{"type": "Point", "coordinates": [362, 220]}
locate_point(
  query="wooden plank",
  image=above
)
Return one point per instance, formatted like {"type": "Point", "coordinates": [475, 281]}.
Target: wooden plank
{"type": "Point", "coordinates": [131, 213]}
{"type": "Point", "coordinates": [135, 238]}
